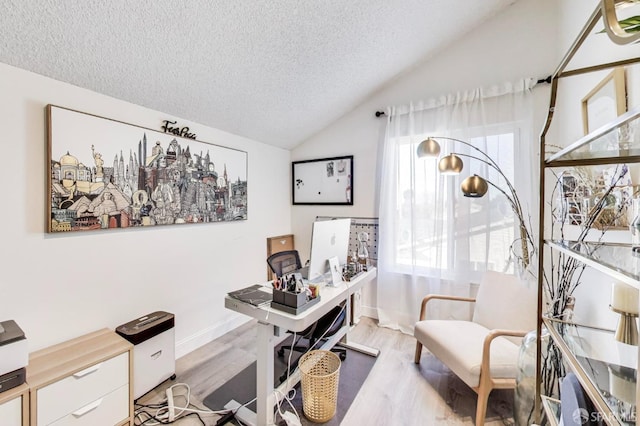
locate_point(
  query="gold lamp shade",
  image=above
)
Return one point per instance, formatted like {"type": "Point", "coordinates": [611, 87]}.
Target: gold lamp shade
{"type": "Point", "coordinates": [428, 148]}
{"type": "Point", "coordinates": [474, 186]}
{"type": "Point", "coordinates": [450, 165]}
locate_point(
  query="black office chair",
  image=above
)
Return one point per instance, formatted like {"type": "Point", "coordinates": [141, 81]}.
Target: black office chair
{"type": "Point", "coordinates": [284, 262]}
{"type": "Point", "coordinates": [324, 328]}
{"type": "Point", "coordinates": [288, 261]}
{"type": "Point", "coordinates": [329, 325]}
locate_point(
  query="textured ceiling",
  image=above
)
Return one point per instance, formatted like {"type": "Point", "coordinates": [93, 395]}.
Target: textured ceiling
{"type": "Point", "coordinates": [276, 71]}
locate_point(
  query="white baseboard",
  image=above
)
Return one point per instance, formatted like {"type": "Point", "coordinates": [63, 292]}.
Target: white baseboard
{"type": "Point", "coordinates": [205, 336]}
{"type": "Point", "coordinates": [369, 311]}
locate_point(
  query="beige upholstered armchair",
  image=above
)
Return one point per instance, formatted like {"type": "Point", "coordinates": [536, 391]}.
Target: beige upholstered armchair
{"type": "Point", "coordinates": [482, 352]}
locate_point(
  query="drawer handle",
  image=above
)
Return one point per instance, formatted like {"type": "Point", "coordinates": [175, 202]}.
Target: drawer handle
{"type": "Point", "coordinates": [156, 355]}
{"type": "Point", "coordinates": [283, 242]}
{"type": "Point", "coordinates": [84, 410]}
{"type": "Point", "coordinates": [87, 371]}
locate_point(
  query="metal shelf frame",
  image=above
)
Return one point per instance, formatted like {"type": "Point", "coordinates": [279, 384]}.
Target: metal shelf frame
{"type": "Point", "coordinates": [601, 13]}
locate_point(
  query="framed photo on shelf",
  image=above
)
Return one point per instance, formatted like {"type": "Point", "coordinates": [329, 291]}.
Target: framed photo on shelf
{"type": "Point", "coordinates": [569, 185]}
{"type": "Point", "coordinates": [323, 181]}
{"type": "Point", "coordinates": [606, 101]}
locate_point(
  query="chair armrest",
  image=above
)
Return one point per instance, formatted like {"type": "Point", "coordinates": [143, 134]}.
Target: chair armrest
{"type": "Point", "coordinates": [427, 298]}
{"type": "Point", "coordinates": [486, 347]}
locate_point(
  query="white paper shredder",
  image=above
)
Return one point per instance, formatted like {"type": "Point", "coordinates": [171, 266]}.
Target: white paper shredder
{"type": "Point", "coordinates": [154, 350]}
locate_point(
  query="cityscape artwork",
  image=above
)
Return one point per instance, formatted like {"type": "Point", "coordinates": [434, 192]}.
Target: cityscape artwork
{"type": "Point", "coordinates": [107, 174]}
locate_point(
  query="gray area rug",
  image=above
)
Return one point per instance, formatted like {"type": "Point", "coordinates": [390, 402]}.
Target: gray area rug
{"type": "Point", "coordinates": [242, 387]}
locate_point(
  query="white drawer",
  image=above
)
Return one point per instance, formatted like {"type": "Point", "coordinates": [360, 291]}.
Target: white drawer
{"type": "Point", "coordinates": [154, 361]}
{"type": "Point", "coordinates": [11, 412]}
{"type": "Point", "coordinates": [106, 411]}
{"type": "Point", "coordinates": [76, 391]}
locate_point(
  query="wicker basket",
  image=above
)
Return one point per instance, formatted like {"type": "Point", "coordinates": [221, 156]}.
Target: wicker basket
{"type": "Point", "coordinates": [320, 373]}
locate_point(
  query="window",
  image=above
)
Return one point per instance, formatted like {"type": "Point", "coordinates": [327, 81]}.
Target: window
{"type": "Point", "coordinates": [438, 229]}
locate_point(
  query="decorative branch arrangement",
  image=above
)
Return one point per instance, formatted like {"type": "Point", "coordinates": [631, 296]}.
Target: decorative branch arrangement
{"type": "Point", "coordinates": [566, 275]}
{"type": "Point", "coordinates": [566, 271]}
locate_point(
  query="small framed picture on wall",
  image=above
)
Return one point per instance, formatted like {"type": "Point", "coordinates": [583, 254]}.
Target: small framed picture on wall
{"type": "Point", "coordinates": [323, 181]}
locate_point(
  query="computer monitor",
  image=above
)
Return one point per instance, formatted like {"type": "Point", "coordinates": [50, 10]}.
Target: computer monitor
{"type": "Point", "coordinates": [329, 238]}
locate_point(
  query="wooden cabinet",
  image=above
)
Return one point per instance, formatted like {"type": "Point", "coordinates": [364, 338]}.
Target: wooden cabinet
{"type": "Point", "coordinates": [276, 245]}
{"type": "Point", "coordinates": [84, 381]}
{"type": "Point", "coordinates": [14, 406]}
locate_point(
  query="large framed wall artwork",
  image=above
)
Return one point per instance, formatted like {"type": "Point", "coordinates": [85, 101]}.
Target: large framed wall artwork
{"type": "Point", "coordinates": [107, 174]}
{"type": "Point", "coordinates": [323, 181]}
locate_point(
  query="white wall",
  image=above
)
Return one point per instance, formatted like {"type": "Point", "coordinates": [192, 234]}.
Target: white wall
{"type": "Point", "coordinates": [59, 286]}
{"type": "Point", "coordinates": [567, 126]}
{"type": "Point", "coordinates": [518, 43]}
{"type": "Point", "coordinates": [594, 292]}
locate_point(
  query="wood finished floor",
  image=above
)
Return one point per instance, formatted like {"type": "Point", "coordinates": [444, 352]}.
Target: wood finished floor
{"type": "Point", "coordinates": [396, 392]}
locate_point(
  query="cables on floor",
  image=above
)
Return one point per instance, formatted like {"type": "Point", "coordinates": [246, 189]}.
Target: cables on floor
{"type": "Point", "coordinates": [289, 396]}
{"type": "Point", "coordinates": [147, 419]}
{"type": "Point", "coordinates": [168, 412]}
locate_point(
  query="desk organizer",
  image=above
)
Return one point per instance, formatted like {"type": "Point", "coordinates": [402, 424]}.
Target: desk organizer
{"type": "Point", "coordinates": [290, 302]}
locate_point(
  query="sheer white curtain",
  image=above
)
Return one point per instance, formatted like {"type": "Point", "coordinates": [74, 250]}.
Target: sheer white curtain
{"type": "Point", "coordinates": [432, 239]}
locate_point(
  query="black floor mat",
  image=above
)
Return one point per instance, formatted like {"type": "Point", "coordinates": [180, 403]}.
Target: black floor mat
{"type": "Point", "coordinates": [242, 387]}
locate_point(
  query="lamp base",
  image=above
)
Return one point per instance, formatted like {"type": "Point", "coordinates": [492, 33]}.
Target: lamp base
{"type": "Point", "coordinates": [627, 330]}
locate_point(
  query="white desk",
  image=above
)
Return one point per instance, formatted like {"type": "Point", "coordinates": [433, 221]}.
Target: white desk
{"type": "Point", "coordinates": [270, 321]}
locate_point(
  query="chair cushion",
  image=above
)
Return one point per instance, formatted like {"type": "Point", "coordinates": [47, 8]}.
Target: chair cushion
{"type": "Point", "coordinates": [458, 344]}
{"type": "Point", "coordinates": [506, 302]}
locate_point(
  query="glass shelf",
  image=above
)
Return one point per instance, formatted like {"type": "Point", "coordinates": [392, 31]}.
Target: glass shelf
{"type": "Point", "coordinates": [616, 260]}
{"type": "Point", "coordinates": [605, 367]}
{"type": "Point", "coordinates": [552, 410]}
{"type": "Point", "coordinates": [612, 143]}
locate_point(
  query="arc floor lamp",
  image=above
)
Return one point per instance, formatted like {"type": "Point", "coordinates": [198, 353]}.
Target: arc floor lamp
{"type": "Point", "coordinates": [476, 186]}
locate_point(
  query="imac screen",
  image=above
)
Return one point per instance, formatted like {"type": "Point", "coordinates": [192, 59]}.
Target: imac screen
{"type": "Point", "coordinates": [329, 238]}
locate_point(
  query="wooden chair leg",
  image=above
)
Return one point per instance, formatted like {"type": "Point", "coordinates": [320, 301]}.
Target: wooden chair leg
{"type": "Point", "coordinates": [416, 359]}
{"type": "Point", "coordinates": [481, 407]}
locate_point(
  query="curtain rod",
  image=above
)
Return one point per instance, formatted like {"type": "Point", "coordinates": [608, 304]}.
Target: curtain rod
{"type": "Point", "coordinates": [542, 80]}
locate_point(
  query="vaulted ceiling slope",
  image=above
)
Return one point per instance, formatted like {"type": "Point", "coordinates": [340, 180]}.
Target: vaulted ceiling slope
{"type": "Point", "coordinates": [276, 71]}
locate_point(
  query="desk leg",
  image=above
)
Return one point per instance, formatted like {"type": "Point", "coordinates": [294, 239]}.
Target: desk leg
{"type": "Point", "coordinates": [264, 375]}
{"type": "Point", "coordinates": [344, 342]}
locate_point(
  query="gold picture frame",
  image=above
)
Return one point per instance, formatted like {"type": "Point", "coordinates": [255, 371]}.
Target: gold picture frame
{"type": "Point", "coordinates": [606, 101]}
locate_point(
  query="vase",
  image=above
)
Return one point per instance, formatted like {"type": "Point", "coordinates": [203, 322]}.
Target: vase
{"type": "Point", "coordinates": [525, 392]}
{"type": "Point", "coordinates": [553, 368]}
{"type": "Point", "coordinates": [635, 225]}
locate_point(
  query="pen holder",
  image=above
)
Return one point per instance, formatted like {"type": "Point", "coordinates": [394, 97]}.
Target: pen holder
{"type": "Point", "coordinates": [288, 298]}
{"type": "Point", "coordinates": [293, 303]}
